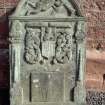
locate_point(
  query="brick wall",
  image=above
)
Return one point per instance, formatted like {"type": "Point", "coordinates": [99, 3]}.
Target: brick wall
{"type": "Point", "coordinates": [94, 11]}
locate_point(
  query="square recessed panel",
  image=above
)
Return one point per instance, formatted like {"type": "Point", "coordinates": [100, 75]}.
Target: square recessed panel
{"type": "Point", "coordinates": [45, 87]}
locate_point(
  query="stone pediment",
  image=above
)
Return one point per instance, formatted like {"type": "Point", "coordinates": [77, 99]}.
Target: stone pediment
{"type": "Point", "coordinates": [48, 8]}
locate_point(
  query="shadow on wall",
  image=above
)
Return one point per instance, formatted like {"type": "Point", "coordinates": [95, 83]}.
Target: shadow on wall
{"type": "Point", "coordinates": [4, 57]}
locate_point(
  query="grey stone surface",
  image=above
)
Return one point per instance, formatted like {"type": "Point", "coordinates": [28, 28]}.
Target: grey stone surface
{"type": "Point", "coordinates": [47, 53]}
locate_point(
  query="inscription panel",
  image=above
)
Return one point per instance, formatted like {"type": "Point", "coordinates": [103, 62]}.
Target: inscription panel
{"type": "Point", "coordinates": [44, 87]}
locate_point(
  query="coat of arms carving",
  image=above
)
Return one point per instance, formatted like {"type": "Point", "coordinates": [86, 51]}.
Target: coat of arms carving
{"type": "Point", "coordinates": [51, 44]}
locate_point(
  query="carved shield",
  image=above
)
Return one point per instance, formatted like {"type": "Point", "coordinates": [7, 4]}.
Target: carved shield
{"type": "Point", "coordinates": [48, 49]}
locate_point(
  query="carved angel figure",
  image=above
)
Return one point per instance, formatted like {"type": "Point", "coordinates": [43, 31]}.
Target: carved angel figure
{"type": "Point", "coordinates": [32, 50]}
{"type": "Point", "coordinates": [63, 47]}
{"type": "Point", "coordinates": [37, 6]}
{"type": "Point", "coordinates": [50, 7]}
{"type": "Point", "coordinates": [60, 7]}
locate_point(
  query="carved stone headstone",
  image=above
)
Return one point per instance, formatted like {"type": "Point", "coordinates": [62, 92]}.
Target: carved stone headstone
{"type": "Point", "coordinates": [47, 53]}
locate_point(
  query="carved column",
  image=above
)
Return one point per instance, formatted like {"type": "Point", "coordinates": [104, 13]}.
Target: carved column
{"type": "Point", "coordinates": [15, 49]}
{"type": "Point", "coordinates": [81, 57]}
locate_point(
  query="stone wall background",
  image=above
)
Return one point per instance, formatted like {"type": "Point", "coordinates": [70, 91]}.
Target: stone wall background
{"type": "Point", "coordinates": [94, 11]}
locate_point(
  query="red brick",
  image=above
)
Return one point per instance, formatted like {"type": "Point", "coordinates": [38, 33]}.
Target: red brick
{"type": "Point", "coordinates": [13, 3]}
{"type": "Point", "coordinates": [6, 3]}
{"type": "Point", "coordinates": [1, 3]}
{"type": "Point", "coordinates": [96, 33]}
{"type": "Point", "coordinates": [89, 5]}
{"type": "Point", "coordinates": [95, 18]}
{"type": "Point", "coordinates": [9, 11]}
{"type": "Point", "coordinates": [95, 71]}
{"type": "Point", "coordinates": [95, 44]}
{"type": "Point", "coordinates": [97, 5]}
{"type": "Point", "coordinates": [94, 81]}
{"type": "Point", "coordinates": [101, 4]}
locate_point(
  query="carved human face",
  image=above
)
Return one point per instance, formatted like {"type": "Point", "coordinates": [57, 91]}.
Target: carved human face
{"type": "Point", "coordinates": [58, 3]}
{"type": "Point", "coordinates": [60, 40]}
{"type": "Point", "coordinates": [42, 5]}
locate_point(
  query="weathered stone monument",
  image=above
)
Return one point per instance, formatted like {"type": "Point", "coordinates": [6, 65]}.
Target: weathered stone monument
{"type": "Point", "coordinates": [47, 53]}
